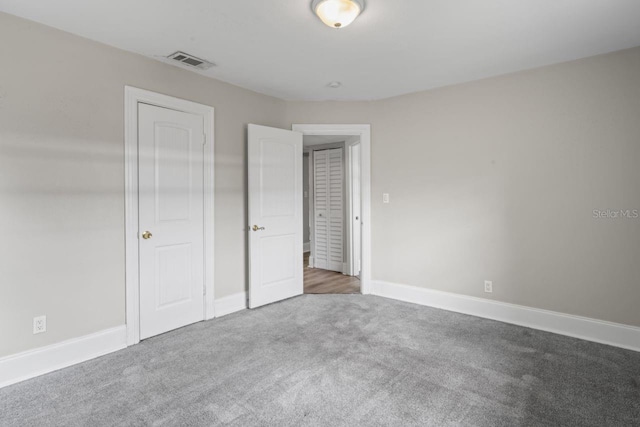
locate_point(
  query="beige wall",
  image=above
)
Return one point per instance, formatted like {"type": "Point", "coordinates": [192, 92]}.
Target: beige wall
{"type": "Point", "coordinates": [498, 179]}
{"type": "Point", "coordinates": [62, 178]}
{"type": "Point", "coordinates": [495, 179]}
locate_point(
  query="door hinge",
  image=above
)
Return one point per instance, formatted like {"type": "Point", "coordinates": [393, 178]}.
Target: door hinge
{"type": "Point", "coordinates": [204, 139]}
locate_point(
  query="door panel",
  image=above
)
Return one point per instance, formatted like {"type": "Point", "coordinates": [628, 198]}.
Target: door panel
{"type": "Point", "coordinates": [276, 254]}
{"type": "Point", "coordinates": [171, 203]}
{"type": "Point", "coordinates": [172, 271]}
{"type": "Point", "coordinates": [173, 173]}
{"type": "Point", "coordinates": [275, 215]}
{"type": "Point", "coordinates": [329, 209]}
{"type": "Point", "coordinates": [277, 178]}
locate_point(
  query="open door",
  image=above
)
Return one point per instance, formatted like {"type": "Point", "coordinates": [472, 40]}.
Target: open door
{"type": "Point", "coordinates": [275, 215]}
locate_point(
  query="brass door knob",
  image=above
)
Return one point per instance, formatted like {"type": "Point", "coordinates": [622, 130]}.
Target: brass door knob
{"type": "Point", "coordinates": [256, 228]}
{"type": "Point", "coordinates": [147, 235]}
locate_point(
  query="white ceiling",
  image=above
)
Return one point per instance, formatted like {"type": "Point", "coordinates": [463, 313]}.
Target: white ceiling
{"type": "Point", "coordinates": [278, 47]}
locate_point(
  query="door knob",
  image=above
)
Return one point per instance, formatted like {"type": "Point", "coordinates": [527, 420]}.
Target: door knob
{"type": "Point", "coordinates": [147, 235]}
{"type": "Point", "coordinates": [256, 228]}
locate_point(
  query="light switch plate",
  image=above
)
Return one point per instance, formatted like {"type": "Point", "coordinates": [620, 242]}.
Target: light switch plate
{"type": "Point", "coordinates": [385, 197]}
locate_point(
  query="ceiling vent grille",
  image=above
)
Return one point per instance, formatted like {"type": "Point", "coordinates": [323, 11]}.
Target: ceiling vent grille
{"type": "Point", "coordinates": [191, 60]}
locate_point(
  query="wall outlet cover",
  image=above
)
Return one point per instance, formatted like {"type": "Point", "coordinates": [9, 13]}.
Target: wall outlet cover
{"type": "Point", "coordinates": [488, 286]}
{"type": "Point", "coordinates": [39, 324]}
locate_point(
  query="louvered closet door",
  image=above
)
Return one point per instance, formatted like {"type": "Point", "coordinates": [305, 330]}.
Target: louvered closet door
{"type": "Point", "coordinates": [329, 209]}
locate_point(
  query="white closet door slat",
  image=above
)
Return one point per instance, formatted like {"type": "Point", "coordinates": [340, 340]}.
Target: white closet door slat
{"type": "Point", "coordinates": [329, 209]}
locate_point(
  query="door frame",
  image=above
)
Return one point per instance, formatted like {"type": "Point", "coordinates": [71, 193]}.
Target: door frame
{"type": "Point", "coordinates": [351, 241]}
{"type": "Point", "coordinates": [132, 97]}
{"type": "Point", "coordinates": [364, 132]}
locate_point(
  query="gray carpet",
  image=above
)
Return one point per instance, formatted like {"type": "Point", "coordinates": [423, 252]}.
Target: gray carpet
{"type": "Point", "coordinates": [340, 360]}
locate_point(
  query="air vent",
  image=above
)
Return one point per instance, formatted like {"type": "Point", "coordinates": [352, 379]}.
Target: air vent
{"type": "Point", "coordinates": [191, 60]}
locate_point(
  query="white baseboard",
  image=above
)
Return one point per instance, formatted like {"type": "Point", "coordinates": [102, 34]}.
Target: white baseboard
{"type": "Point", "coordinates": [306, 247]}
{"type": "Point", "coordinates": [40, 361]}
{"type": "Point", "coordinates": [585, 328]}
{"type": "Point", "coordinates": [230, 304]}
{"type": "Point", "coordinates": [31, 363]}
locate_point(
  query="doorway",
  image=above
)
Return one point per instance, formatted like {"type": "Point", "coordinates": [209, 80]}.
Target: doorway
{"type": "Point", "coordinates": [363, 132]}
{"type": "Point", "coordinates": [332, 217]}
{"type": "Point", "coordinates": [275, 210]}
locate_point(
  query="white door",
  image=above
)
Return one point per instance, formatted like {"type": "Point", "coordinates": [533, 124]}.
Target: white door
{"type": "Point", "coordinates": [356, 207]}
{"type": "Point", "coordinates": [171, 222]}
{"type": "Point", "coordinates": [328, 181]}
{"type": "Point", "coordinates": [275, 215]}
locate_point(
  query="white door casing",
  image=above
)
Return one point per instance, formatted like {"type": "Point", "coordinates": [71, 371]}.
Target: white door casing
{"type": "Point", "coordinates": [328, 201]}
{"type": "Point", "coordinates": [363, 132]}
{"type": "Point", "coordinates": [171, 223]}
{"type": "Point", "coordinates": [275, 214]}
{"type": "Point", "coordinates": [355, 211]}
{"type": "Point", "coordinates": [312, 221]}
{"type": "Point", "coordinates": [132, 98]}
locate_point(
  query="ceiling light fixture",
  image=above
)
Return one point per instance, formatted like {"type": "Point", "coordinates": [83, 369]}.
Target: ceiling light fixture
{"type": "Point", "coordinates": [334, 85]}
{"type": "Point", "coordinates": [337, 13]}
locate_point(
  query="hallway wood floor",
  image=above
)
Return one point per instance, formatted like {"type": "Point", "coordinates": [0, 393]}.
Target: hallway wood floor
{"type": "Point", "coordinates": [318, 281]}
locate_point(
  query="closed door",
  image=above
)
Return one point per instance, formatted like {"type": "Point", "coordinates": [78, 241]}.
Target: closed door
{"type": "Point", "coordinates": [171, 222]}
{"type": "Point", "coordinates": [275, 215]}
{"type": "Point", "coordinates": [328, 182]}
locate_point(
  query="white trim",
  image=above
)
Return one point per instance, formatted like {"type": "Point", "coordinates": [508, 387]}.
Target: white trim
{"type": "Point", "coordinates": [585, 328]}
{"type": "Point", "coordinates": [231, 304]}
{"type": "Point", "coordinates": [364, 132]}
{"type": "Point", "coordinates": [348, 210]}
{"type": "Point", "coordinates": [350, 268]}
{"type": "Point", "coordinates": [312, 214]}
{"type": "Point", "coordinates": [40, 361]}
{"type": "Point", "coordinates": [133, 96]}
{"type": "Point", "coordinates": [306, 247]}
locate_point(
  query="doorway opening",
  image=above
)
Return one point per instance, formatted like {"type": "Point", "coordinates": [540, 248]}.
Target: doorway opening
{"type": "Point", "coordinates": [332, 200]}
{"type": "Point", "coordinates": [275, 208]}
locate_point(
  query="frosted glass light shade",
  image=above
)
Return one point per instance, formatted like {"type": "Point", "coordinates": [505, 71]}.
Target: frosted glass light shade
{"type": "Point", "coordinates": [337, 13]}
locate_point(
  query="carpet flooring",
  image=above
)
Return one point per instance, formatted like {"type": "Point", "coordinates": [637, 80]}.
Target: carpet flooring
{"type": "Point", "coordinates": [340, 360]}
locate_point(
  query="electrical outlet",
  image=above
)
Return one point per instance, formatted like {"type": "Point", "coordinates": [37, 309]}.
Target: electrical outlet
{"type": "Point", "coordinates": [385, 197]}
{"type": "Point", "coordinates": [488, 286]}
{"type": "Point", "coordinates": [39, 324]}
